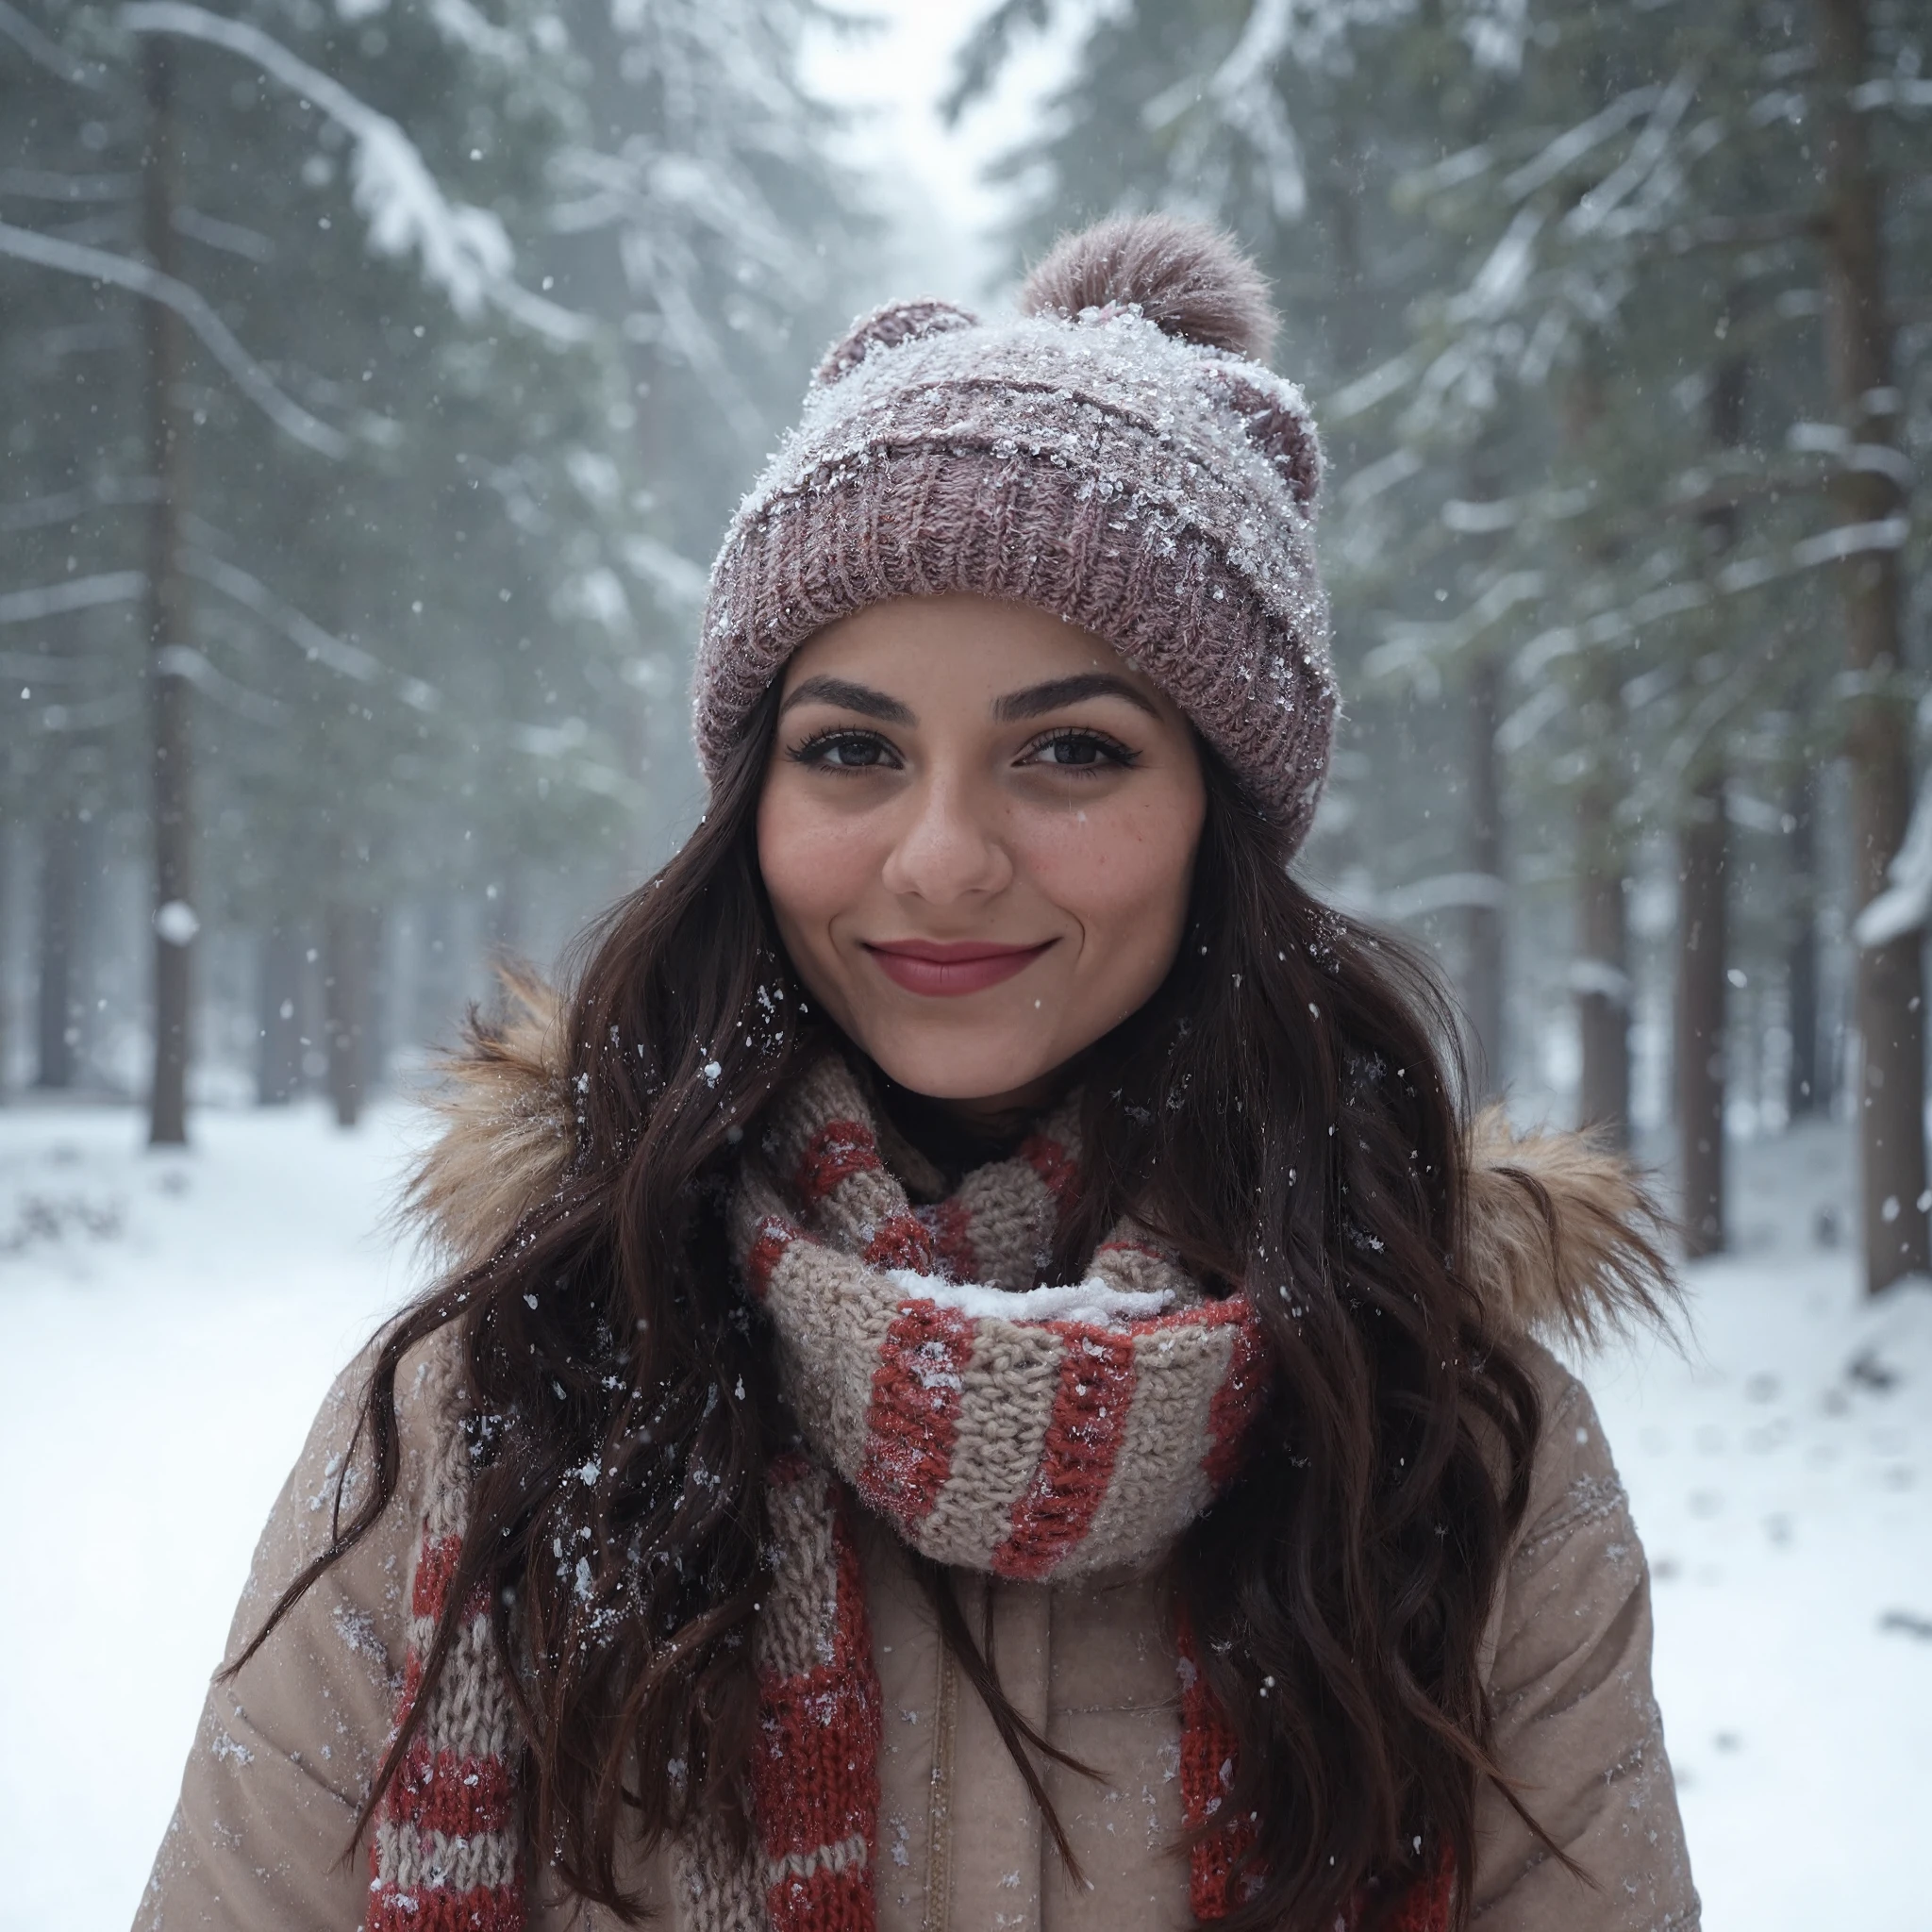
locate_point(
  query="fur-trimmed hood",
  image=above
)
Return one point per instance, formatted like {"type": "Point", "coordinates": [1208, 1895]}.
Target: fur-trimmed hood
{"type": "Point", "coordinates": [1563, 1238]}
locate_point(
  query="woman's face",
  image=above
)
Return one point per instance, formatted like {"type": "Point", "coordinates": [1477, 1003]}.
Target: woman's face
{"type": "Point", "coordinates": [977, 831]}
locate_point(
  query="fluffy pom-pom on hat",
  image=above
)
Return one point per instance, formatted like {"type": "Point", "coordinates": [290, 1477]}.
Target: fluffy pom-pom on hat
{"type": "Point", "coordinates": [1117, 455]}
{"type": "Point", "coordinates": [1190, 281]}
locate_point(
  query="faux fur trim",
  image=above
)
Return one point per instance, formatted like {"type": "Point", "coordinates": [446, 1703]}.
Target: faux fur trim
{"type": "Point", "coordinates": [508, 1128]}
{"type": "Point", "coordinates": [1563, 1239]}
{"type": "Point", "coordinates": [1564, 1236]}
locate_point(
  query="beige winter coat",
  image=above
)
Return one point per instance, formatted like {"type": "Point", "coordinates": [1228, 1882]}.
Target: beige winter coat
{"type": "Point", "coordinates": [284, 1753]}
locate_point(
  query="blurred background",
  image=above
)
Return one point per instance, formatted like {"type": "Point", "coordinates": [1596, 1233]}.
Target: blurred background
{"type": "Point", "coordinates": [376, 379]}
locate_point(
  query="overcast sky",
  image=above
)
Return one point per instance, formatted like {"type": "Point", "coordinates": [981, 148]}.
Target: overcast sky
{"type": "Point", "coordinates": [928, 174]}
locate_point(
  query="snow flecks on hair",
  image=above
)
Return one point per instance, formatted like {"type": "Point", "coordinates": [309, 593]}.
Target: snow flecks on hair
{"type": "Point", "coordinates": [1190, 280]}
{"type": "Point", "coordinates": [1562, 1238]}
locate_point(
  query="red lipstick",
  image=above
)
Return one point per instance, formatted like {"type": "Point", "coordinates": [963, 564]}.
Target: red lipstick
{"type": "Point", "coordinates": [947, 968]}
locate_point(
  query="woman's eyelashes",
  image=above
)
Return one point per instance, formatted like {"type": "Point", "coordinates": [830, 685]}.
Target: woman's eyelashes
{"type": "Point", "coordinates": [842, 749]}
{"type": "Point", "coordinates": [1076, 750]}
{"type": "Point", "coordinates": [1081, 751]}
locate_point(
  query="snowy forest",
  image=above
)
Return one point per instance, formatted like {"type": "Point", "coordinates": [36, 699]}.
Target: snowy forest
{"type": "Point", "coordinates": [376, 378]}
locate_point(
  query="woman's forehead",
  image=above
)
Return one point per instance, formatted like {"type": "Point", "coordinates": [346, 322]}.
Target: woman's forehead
{"type": "Point", "coordinates": [962, 643]}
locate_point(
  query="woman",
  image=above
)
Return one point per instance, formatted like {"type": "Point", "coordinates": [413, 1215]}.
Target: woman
{"type": "Point", "coordinates": [981, 1381]}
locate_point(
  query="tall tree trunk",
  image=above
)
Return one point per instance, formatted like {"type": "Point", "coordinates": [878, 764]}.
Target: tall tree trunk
{"type": "Point", "coordinates": [1601, 972]}
{"type": "Point", "coordinates": [351, 935]}
{"type": "Point", "coordinates": [437, 1003]}
{"type": "Point", "coordinates": [1890, 977]}
{"type": "Point", "coordinates": [1803, 1087]}
{"type": "Point", "coordinates": [56, 1029]}
{"type": "Point", "coordinates": [279, 1009]}
{"type": "Point", "coordinates": [1699, 1048]}
{"type": "Point", "coordinates": [1699, 1055]}
{"type": "Point", "coordinates": [174, 922]}
{"type": "Point", "coordinates": [1483, 988]}
{"type": "Point", "coordinates": [5, 958]}
{"type": "Point", "coordinates": [1602, 981]}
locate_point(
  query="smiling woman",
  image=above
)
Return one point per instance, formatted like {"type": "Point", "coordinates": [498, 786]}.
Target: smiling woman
{"type": "Point", "coordinates": [983, 1379]}
{"type": "Point", "coordinates": [977, 830]}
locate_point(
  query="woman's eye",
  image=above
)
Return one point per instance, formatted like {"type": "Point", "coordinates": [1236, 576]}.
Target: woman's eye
{"type": "Point", "coordinates": [844, 751]}
{"type": "Point", "coordinates": [1077, 751]}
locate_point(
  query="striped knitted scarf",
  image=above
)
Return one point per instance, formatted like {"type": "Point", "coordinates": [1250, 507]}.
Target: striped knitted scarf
{"type": "Point", "coordinates": [997, 1424]}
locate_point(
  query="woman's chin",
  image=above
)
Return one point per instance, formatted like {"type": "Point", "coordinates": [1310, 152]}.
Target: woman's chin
{"type": "Point", "coordinates": [969, 1074]}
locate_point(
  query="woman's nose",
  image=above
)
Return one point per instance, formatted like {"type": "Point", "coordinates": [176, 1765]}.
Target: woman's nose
{"type": "Point", "coordinates": [948, 848]}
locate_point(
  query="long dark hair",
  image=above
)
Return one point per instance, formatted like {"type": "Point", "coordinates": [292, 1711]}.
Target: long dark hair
{"type": "Point", "coordinates": [1285, 1111]}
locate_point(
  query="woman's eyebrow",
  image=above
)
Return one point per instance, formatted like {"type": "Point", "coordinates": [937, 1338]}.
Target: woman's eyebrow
{"type": "Point", "coordinates": [1038, 699]}
{"type": "Point", "coordinates": [850, 697]}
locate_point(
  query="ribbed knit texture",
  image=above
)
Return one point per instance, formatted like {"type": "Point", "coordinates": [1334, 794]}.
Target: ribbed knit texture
{"type": "Point", "coordinates": [998, 1424]}
{"type": "Point", "coordinates": [446, 1853]}
{"type": "Point", "coordinates": [1156, 490]}
{"type": "Point", "coordinates": [1034, 1432]}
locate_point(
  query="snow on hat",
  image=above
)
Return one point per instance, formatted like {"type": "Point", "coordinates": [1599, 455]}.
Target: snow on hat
{"type": "Point", "coordinates": [1117, 455]}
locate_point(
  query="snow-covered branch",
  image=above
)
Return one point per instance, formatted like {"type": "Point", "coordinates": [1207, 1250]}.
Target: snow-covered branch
{"type": "Point", "coordinates": [96, 265]}
{"type": "Point", "coordinates": [1569, 147]}
{"type": "Point", "coordinates": [318, 645]}
{"type": "Point", "coordinates": [1247, 100]}
{"type": "Point", "coordinates": [50, 184]}
{"type": "Point", "coordinates": [1410, 645]}
{"type": "Point", "coordinates": [464, 250]}
{"type": "Point", "coordinates": [1903, 906]}
{"type": "Point", "coordinates": [42, 512]}
{"type": "Point", "coordinates": [44, 52]}
{"type": "Point", "coordinates": [71, 593]}
{"type": "Point", "coordinates": [1446, 892]}
{"type": "Point", "coordinates": [182, 661]}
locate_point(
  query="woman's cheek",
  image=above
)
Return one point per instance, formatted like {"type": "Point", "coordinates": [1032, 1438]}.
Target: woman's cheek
{"type": "Point", "coordinates": [798, 850]}
{"type": "Point", "coordinates": [814, 869]}
{"type": "Point", "coordinates": [1125, 866]}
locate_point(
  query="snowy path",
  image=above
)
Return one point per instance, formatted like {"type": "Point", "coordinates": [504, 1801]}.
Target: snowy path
{"type": "Point", "coordinates": [168, 1324]}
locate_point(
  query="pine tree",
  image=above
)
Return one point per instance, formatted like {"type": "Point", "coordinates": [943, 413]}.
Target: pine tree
{"type": "Point", "coordinates": [458, 303]}
{"type": "Point", "coordinates": [1553, 271]}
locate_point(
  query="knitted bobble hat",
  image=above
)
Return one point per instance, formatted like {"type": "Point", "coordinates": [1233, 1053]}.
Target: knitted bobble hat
{"type": "Point", "coordinates": [1117, 453]}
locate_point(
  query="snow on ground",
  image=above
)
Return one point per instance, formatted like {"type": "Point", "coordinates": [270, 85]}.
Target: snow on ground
{"type": "Point", "coordinates": [169, 1323]}
{"type": "Point", "coordinates": [1780, 1469]}
{"type": "Point", "coordinates": [168, 1326]}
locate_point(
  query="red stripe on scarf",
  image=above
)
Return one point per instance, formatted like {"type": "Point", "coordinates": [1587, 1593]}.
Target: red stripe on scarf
{"type": "Point", "coordinates": [1218, 1314]}
{"type": "Point", "coordinates": [901, 1241]}
{"type": "Point", "coordinates": [1055, 1167]}
{"type": "Point", "coordinates": [767, 1251]}
{"type": "Point", "coordinates": [435, 1566]}
{"type": "Point", "coordinates": [913, 1418]}
{"type": "Point", "coordinates": [824, 1902]}
{"type": "Point", "coordinates": [445, 1791]}
{"type": "Point", "coordinates": [1426, 1907]}
{"type": "Point", "coordinates": [1214, 1860]}
{"type": "Point", "coordinates": [952, 1238]}
{"type": "Point", "coordinates": [838, 1151]}
{"type": "Point", "coordinates": [435, 1569]}
{"type": "Point", "coordinates": [815, 1776]}
{"type": "Point", "coordinates": [1207, 1767]}
{"type": "Point", "coordinates": [1083, 1440]}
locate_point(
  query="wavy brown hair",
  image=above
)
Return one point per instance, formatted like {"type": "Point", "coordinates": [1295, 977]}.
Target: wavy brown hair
{"type": "Point", "coordinates": [1284, 1111]}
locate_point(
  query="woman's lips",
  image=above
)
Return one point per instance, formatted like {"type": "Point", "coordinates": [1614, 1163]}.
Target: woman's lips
{"type": "Point", "coordinates": [949, 968]}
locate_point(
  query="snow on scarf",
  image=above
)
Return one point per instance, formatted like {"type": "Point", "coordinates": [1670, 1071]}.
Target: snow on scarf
{"type": "Point", "coordinates": [997, 1424]}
